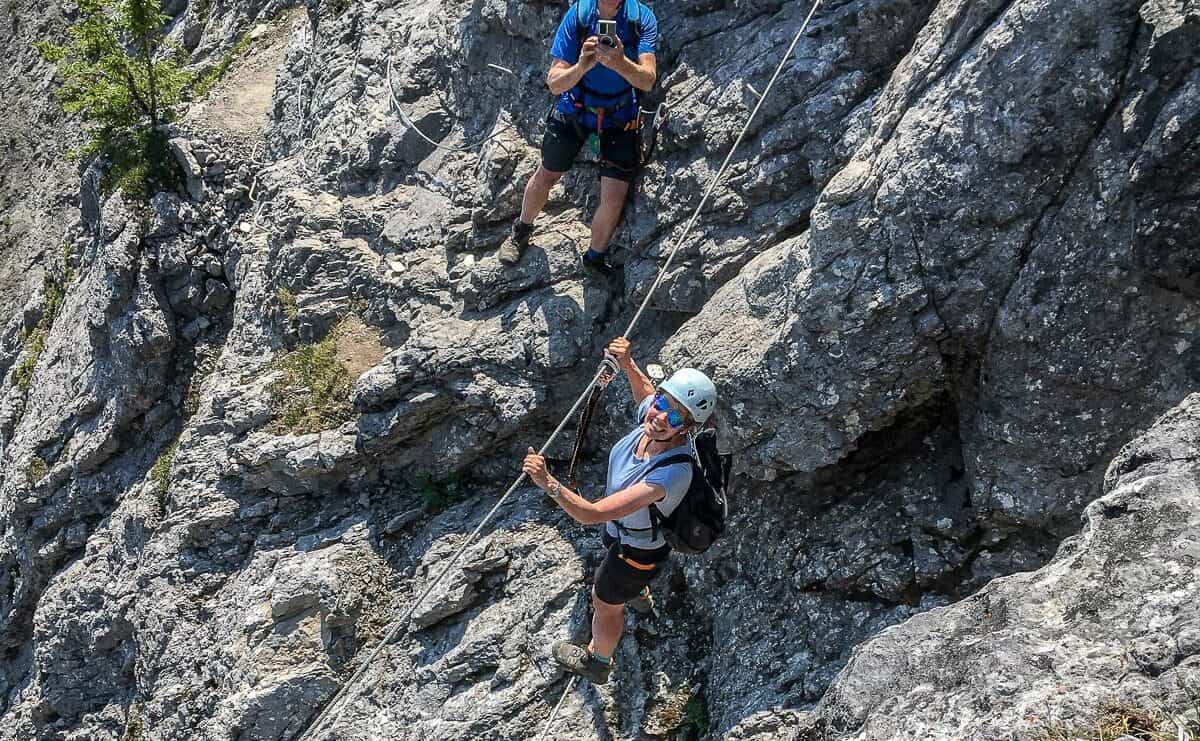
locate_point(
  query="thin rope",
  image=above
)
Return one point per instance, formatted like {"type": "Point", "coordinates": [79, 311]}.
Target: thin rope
{"type": "Point", "coordinates": [554, 712]}
{"type": "Point", "coordinates": [398, 625]}
{"type": "Point", "coordinates": [605, 368]}
{"type": "Point", "coordinates": [721, 172]}
{"type": "Point", "coordinates": [410, 124]}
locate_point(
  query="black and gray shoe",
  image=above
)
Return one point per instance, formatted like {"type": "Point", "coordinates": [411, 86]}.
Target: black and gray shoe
{"type": "Point", "coordinates": [599, 266]}
{"type": "Point", "coordinates": [515, 243]}
{"type": "Point", "coordinates": [578, 660]}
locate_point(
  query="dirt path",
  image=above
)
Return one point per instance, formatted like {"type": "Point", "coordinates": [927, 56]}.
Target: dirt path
{"type": "Point", "coordinates": [240, 102]}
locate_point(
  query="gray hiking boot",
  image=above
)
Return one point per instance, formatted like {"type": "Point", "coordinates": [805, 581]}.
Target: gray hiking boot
{"type": "Point", "coordinates": [515, 243]}
{"type": "Point", "coordinates": [643, 604]}
{"type": "Point", "coordinates": [578, 660]}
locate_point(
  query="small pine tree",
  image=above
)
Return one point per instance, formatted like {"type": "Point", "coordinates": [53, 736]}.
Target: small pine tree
{"type": "Point", "coordinates": [123, 76]}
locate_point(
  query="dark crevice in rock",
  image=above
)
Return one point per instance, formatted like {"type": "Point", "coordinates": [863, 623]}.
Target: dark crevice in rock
{"type": "Point", "coordinates": [1019, 631]}
{"type": "Point", "coordinates": [944, 331]}
{"type": "Point", "coordinates": [875, 519]}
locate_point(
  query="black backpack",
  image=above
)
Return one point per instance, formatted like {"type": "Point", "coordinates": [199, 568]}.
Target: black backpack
{"type": "Point", "coordinates": [700, 517]}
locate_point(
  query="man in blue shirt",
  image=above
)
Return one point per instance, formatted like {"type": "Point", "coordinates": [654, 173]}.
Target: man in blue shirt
{"type": "Point", "coordinates": [596, 78]}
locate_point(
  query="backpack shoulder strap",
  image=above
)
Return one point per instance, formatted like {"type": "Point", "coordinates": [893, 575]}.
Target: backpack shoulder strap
{"type": "Point", "coordinates": [669, 461]}
{"type": "Point", "coordinates": [656, 516]}
{"type": "Point", "coordinates": [585, 11]}
{"type": "Point", "coordinates": [633, 11]}
{"type": "Point", "coordinates": [633, 16]}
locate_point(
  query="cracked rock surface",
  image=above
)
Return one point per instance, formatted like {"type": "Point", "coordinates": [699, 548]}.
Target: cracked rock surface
{"type": "Point", "coordinates": [950, 280]}
{"type": "Point", "coordinates": [1111, 616]}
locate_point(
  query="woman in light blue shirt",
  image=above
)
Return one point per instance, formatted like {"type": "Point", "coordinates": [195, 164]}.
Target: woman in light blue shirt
{"type": "Point", "coordinates": [636, 550]}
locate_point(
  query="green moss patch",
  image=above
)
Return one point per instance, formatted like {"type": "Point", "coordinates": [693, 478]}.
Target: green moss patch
{"type": "Point", "coordinates": [437, 495]}
{"type": "Point", "coordinates": [160, 472]}
{"type": "Point", "coordinates": [287, 302]}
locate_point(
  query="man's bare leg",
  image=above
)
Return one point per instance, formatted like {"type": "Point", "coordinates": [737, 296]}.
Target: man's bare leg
{"type": "Point", "coordinates": [537, 192]}
{"type": "Point", "coordinates": [608, 214]}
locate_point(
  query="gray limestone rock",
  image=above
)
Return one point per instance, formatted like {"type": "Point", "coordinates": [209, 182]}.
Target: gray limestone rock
{"type": "Point", "coordinates": [188, 161]}
{"type": "Point", "coordinates": [951, 272]}
{"type": "Point", "coordinates": [1100, 623]}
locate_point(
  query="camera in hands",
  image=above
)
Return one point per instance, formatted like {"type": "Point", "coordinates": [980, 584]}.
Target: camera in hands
{"type": "Point", "coordinates": [608, 33]}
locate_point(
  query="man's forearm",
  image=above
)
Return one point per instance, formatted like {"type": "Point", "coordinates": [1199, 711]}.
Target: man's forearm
{"type": "Point", "coordinates": [561, 80]}
{"type": "Point", "coordinates": [640, 76]}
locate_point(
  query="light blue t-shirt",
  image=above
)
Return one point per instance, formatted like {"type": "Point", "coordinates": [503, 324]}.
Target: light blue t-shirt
{"type": "Point", "coordinates": [600, 78]}
{"type": "Point", "coordinates": [626, 469]}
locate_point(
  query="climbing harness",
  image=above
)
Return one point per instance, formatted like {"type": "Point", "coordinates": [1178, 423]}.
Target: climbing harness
{"type": "Point", "coordinates": [330, 710]}
{"type": "Point", "coordinates": [594, 139]}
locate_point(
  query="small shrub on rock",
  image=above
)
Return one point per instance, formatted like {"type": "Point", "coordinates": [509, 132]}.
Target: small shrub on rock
{"type": "Point", "coordinates": [35, 341]}
{"type": "Point", "coordinates": [37, 470]}
{"type": "Point", "coordinates": [680, 715]}
{"type": "Point", "coordinates": [1118, 721]}
{"type": "Point", "coordinates": [437, 495]}
{"type": "Point", "coordinates": [160, 473]}
{"type": "Point", "coordinates": [696, 715]}
{"type": "Point", "coordinates": [34, 344]}
{"type": "Point", "coordinates": [287, 301]}
{"type": "Point", "coordinates": [313, 393]}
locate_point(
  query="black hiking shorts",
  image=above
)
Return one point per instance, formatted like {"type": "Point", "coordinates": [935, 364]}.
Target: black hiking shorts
{"type": "Point", "coordinates": [617, 580]}
{"type": "Point", "coordinates": [561, 145]}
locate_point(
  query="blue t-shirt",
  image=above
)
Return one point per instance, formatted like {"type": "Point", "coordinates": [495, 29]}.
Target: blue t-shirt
{"type": "Point", "coordinates": [601, 79]}
{"type": "Point", "coordinates": [625, 469]}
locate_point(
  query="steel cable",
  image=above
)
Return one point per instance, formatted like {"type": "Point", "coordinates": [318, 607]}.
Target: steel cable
{"type": "Point", "coordinates": [605, 369]}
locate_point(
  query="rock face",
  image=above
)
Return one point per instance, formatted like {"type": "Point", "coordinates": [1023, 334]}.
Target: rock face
{"type": "Point", "coordinates": [951, 273]}
{"type": "Point", "coordinates": [1111, 619]}
{"type": "Point", "coordinates": [37, 183]}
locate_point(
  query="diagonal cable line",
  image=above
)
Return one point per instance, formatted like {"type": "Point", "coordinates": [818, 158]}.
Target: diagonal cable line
{"type": "Point", "coordinates": [332, 709]}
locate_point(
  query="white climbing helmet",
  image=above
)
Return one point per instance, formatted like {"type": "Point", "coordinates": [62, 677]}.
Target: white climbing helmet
{"type": "Point", "coordinates": [693, 390]}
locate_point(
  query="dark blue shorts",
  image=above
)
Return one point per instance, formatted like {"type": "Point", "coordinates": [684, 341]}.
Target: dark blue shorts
{"type": "Point", "coordinates": [562, 142]}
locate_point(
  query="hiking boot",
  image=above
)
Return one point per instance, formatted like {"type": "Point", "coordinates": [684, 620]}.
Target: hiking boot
{"type": "Point", "coordinates": [515, 243]}
{"type": "Point", "coordinates": [599, 266]}
{"type": "Point", "coordinates": [643, 604]}
{"type": "Point", "coordinates": [578, 660]}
